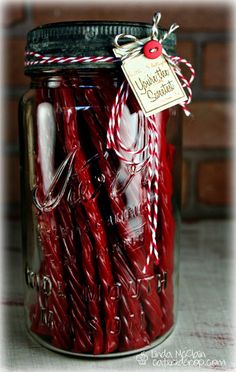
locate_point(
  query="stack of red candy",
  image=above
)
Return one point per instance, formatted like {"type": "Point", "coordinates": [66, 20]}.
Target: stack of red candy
{"type": "Point", "coordinates": [95, 238]}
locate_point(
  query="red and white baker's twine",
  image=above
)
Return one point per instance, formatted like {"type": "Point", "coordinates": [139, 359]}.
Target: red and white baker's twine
{"type": "Point", "coordinates": [114, 140]}
{"type": "Point", "coordinates": [185, 83]}
{"type": "Point", "coordinates": [41, 59]}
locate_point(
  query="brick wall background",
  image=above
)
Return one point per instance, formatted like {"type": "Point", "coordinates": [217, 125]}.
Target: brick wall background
{"type": "Point", "coordinates": [204, 38]}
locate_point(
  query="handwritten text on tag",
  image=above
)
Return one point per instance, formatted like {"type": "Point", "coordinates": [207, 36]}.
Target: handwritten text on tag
{"type": "Point", "coordinates": [153, 82]}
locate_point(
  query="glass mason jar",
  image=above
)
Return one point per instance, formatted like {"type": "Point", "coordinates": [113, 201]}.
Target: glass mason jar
{"type": "Point", "coordinates": [85, 230]}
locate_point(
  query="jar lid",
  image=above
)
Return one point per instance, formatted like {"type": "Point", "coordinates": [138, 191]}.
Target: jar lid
{"type": "Point", "coordinates": [85, 38]}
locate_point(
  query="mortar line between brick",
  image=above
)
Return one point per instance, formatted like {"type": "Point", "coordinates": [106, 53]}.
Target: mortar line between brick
{"type": "Point", "coordinates": [189, 191]}
{"type": "Point", "coordinates": [205, 36]}
{"type": "Point", "coordinates": [199, 61]}
{"type": "Point", "coordinates": [193, 208]}
{"type": "Point", "coordinates": [29, 12]}
{"type": "Point", "coordinates": [20, 29]}
{"type": "Point", "coordinates": [210, 95]}
{"type": "Point", "coordinates": [192, 183]}
{"type": "Point", "coordinates": [207, 154]}
{"type": "Point", "coordinates": [16, 92]}
{"type": "Point", "coordinates": [10, 149]}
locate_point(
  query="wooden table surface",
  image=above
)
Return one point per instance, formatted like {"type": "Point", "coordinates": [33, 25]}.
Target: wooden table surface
{"type": "Point", "coordinates": [203, 339]}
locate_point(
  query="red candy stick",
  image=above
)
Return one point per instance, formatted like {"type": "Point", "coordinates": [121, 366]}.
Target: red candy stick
{"type": "Point", "coordinates": [167, 226]}
{"type": "Point", "coordinates": [50, 316]}
{"type": "Point", "coordinates": [139, 314]}
{"type": "Point", "coordinates": [72, 142]}
{"type": "Point", "coordinates": [135, 254]}
{"type": "Point", "coordinates": [82, 338]}
{"type": "Point", "coordinates": [75, 269]}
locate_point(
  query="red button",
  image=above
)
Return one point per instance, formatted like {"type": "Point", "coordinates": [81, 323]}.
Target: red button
{"type": "Point", "coordinates": [152, 49]}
